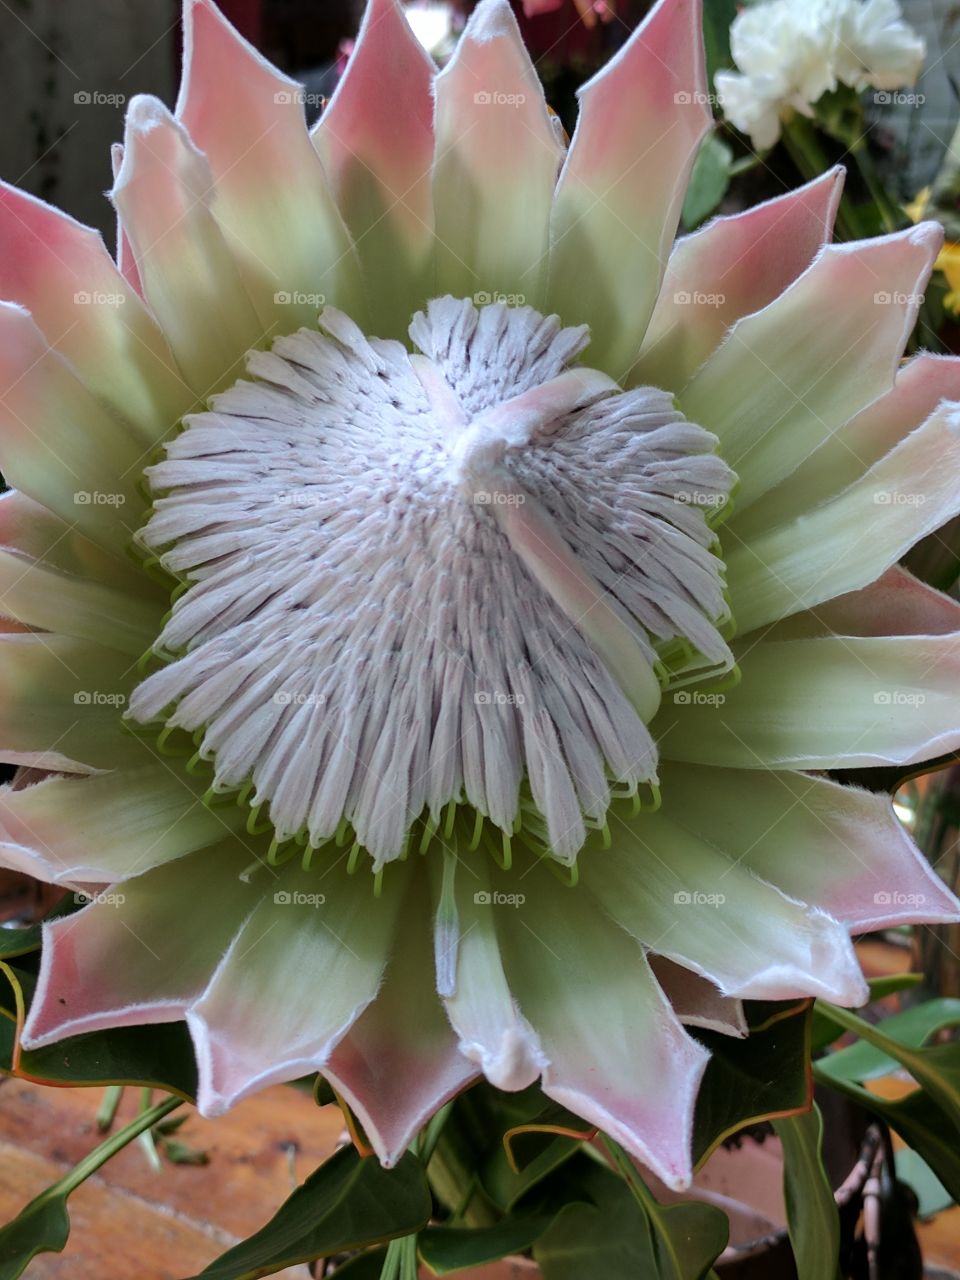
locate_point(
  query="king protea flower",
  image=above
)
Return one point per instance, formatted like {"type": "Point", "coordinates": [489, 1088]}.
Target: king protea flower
{"type": "Point", "coordinates": [439, 764]}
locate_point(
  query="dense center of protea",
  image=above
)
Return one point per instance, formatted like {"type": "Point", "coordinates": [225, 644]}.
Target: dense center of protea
{"type": "Point", "coordinates": [416, 581]}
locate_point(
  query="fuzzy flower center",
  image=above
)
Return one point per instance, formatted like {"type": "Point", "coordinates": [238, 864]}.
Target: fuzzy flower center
{"type": "Point", "coordinates": [416, 581]}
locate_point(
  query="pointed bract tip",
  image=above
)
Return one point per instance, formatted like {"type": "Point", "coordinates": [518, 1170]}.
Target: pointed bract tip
{"type": "Point", "coordinates": [491, 20]}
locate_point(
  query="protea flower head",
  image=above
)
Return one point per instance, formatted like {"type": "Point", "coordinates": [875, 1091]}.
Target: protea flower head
{"type": "Point", "coordinates": [484, 733]}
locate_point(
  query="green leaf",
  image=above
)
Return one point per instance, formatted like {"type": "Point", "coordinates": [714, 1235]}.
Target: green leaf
{"type": "Point", "coordinates": [541, 1136]}
{"type": "Point", "coordinates": [447, 1250]}
{"type": "Point", "coordinates": [43, 1226]}
{"type": "Point", "coordinates": [932, 1195]}
{"type": "Point", "coordinates": [619, 1237]}
{"type": "Point", "coordinates": [709, 180]}
{"type": "Point", "coordinates": [350, 1201]}
{"type": "Point", "coordinates": [158, 1056]}
{"type": "Point", "coordinates": [746, 1081]}
{"type": "Point", "coordinates": [718, 16]}
{"type": "Point", "coordinates": [936, 1070]}
{"type": "Point", "coordinates": [928, 1119]}
{"type": "Point", "coordinates": [19, 942]}
{"type": "Point", "coordinates": [825, 1031]}
{"type": "Point", "coordinates": [812, 1216]}
{"type": "Point", "coordinates": [365, 1266]}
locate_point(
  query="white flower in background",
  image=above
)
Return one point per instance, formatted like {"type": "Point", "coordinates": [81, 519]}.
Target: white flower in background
{"type": "Point", "coordinates": [791, 52]}
{"type": "Point", "coordinates": [877, 48]}
{"type": "Point", "coordinates": [432, 24]}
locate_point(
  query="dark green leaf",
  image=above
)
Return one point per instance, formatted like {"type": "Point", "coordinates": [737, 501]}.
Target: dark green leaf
{"type": "Point", "coordinates": [348, 1202]}
{"type": "Point", "coordinates": [157, 1056]}
{"type": "Point", "coordinates": [19, 942]}
{"type": "Point", "coordinates": [708, 182]}
{"type": "Point", "coordinates": [365, 1266]}
{"type": "Point", "coordinates": [447, 1250]}
{"type": "Point", "coordinates": [767, 1074]}
{"type": "Point", "coordinates": [42, 1227]}
{"type": "Point", "coordinates": [718, 16]}
{"type": "Point", "coordinates": [617, 1238]}
{"type": "Point", "coordinates": [536, 1149]}
{"type": "Point", "coordinates": [811, 1209]}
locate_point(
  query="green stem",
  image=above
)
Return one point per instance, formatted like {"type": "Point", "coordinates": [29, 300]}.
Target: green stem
{"type": "Point", "coordinates": [99, 1157]}
{"type": "Point", "coordinates": [146, 1137]}
{"type": "Point", "coordinates": [890, 214]}
{"type": "Point", "coordinates": [391, 1263]}
{"type": "Point", "coordinates": [431, 1134]}
{"type": "Point", "coordinates": [108, 1107]}
{"type": "Point", "coordinates": [626, 1167]}
{"type": "Point", "coordinates": [803, 145]}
